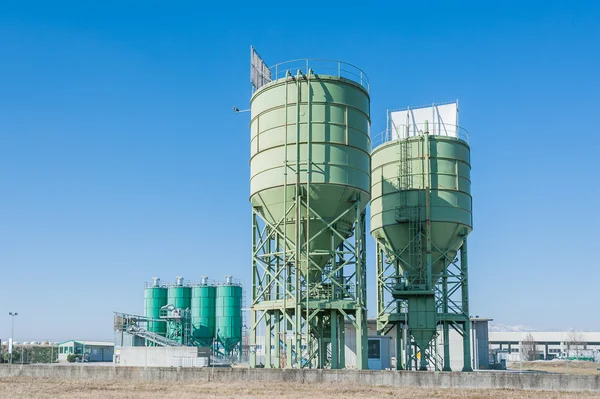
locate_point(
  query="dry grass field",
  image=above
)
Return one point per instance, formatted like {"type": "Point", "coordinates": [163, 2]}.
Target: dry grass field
{"type": "Point", "coordinates": [32, 388]}
{"type": "Point", "coordinates": [575, 367]}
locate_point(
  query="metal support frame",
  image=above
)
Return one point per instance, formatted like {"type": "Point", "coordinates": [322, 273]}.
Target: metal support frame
{"type": "Point", "coordinates": [303, 305]}
{"type": "Point", "coordinates": [450, 288]}
{"type": "Point", "coordinates": [287, 303]}
{"type": "Point", "coordinates": [451, 297]}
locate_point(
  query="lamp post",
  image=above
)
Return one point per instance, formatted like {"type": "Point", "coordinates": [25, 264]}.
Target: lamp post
{"type": "Point", "coordinates": [12, 336]}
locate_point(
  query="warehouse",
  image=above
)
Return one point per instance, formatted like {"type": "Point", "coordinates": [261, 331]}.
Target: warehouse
{"type": "Point", "coordinates": [95, 351]}
{"type": "Point", "coordinates": [548, 345]}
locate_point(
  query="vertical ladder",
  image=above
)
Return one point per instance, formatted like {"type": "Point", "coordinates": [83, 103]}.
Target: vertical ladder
{"type": "Point", "coordinates": [406, 212]}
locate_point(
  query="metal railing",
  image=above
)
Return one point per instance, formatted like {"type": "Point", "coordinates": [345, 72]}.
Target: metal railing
{"type": "Point", "coordinates": [400, 132]}
{"type": "Point", "coordinates": [334, 68]}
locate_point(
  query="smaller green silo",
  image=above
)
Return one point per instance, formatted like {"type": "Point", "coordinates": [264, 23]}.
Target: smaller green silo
{"type": "Point", "coordinates": [155, 297]}
{"type": "Point", "coordinates": [229, 314]}
{"type": "Point", "coordinates": [180, 295]}
{"type": "Point", "coordinates": [204, 301]}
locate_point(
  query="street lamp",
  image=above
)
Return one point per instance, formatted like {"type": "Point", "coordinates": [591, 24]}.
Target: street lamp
{"type": "Point", "coordinates": [12, 337]}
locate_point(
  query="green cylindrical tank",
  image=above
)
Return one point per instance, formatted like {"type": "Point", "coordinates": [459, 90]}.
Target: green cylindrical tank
{"type": "Point", "coordinates": [155, 297]}
{"type": "Point", "coordinates": [204, 301]}
{"type": "Point", "coordinates": [331, 116]}
{"type": "Point", "coordinates": [450, 198]}
{"type": "Point", "coordinates": [180, 295]}
{"type": "Point", "coordinates": [229, 314]}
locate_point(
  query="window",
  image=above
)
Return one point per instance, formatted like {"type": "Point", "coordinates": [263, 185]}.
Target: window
{"type": "Point", "coordinates": [374, 346]}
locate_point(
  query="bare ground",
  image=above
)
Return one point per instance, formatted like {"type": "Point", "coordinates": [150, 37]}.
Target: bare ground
{"type": "Point", "coordinates": [559, 366]}
{"type": "Point", "coordinates": [42, 388]}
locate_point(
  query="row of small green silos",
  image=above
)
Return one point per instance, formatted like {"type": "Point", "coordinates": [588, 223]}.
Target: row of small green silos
{"type": "Point", "coordinates": [215, 309]}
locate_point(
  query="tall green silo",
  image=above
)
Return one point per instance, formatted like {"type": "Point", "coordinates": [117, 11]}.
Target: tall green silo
{"type": "Point", "coordinates": [229, 314]}
{"type": "Point", "coordinates": [420, 218]}
{"type": "Point", "coordinates": [204, 301]}
{"type": "Point", "coordinates": [180, 295]}
{"type": "Point", "coordinates": [155, 297]}
{"type": "Point", "coordinates": [309, 187]}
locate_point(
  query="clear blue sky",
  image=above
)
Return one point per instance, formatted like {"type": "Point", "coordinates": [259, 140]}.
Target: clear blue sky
{"type": "Point", "coordinates": [121, 159]}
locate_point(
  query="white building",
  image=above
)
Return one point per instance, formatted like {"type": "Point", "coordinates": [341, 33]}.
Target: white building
{"type": "Point", "coordinates": [548, 345]}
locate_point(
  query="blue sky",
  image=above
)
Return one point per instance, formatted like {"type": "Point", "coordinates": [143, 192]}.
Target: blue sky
{"type": "Point", "coordinates": [121, 159]}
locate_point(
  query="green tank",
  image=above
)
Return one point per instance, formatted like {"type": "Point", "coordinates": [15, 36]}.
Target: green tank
{"type": "Point", "coordinates": [155, 297]}
{"type": "Point", "coordinates": [420, 217]}
{"type": "Point", "coordinates": [204, 300]}
{"type": "Point", "coordinates": [229, 315]}
{"type": "Point", "coordinates": [334, 117]}
{"type": "Point", "coordinates": [180, 295]}
{"type": "Point", "coordinates": [450, 199]}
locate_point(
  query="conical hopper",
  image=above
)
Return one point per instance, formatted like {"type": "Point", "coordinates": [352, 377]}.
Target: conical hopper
{"type": "Point", "coordinates": [329, 202]}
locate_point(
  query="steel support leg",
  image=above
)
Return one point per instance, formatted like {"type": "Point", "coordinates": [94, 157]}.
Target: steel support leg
{"type": "Point", "coordinates": [342, 359]}
{"type": "Point", "coordinates": [399, 354]}
{"type": "Point", "coordinates": [277, 358]}
{"type": "Point", "coordinates": [268, 333]}
{"type": "Point", "coordinates": [334, 340]}
{"type": "Point", "coordinates": [464, 268]}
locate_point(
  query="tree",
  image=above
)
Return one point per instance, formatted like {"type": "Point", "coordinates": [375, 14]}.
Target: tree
{"type": "Point", "coordinates": [528, 348]}
{"type": "Point", "coordinates": [575, 342]}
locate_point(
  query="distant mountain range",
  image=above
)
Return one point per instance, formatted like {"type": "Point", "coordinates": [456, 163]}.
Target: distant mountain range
{"type": "Point", "coordinates": [494, 327]}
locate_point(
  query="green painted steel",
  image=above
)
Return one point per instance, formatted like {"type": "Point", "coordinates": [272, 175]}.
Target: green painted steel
{"type": "Point", "coordinates": [229, 316]}
{"type": "Point", "coordinates": [204, 300]}
{"type": "Point", "coordinates": [421, 214]}
{"type": "Point", "coordinates": [309, 187]}
{"type": "Point", "coordinates": [339, 151]}
{"type": "Point", "coordinates": [451, 215]}
{"type": "Point", "coordinates": [154, 299]}
{"type": "Point", "coordinates": [180, 297]}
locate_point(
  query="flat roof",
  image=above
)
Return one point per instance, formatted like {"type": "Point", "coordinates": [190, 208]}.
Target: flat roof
{"type": "Point", "coordinates": [88, 343]}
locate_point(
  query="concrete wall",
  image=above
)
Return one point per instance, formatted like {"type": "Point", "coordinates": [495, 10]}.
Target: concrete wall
{"type": "Point", "coordinates": [482, 380]}
{"type": "Point", "coordinates": [157, 356]}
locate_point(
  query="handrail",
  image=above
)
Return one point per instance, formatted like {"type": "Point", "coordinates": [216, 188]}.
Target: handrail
{"type": "Point", "coordinates": [335, 68]}
{"type": "Point", "coordinates": [400, 132]}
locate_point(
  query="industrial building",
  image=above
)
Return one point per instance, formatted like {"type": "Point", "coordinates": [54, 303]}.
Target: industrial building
{"type": "Point", "coordinates": [183, 315]}
{"type": "Point", "coordinates": [91, 351]}
{"type": "Point", "coordinates": [313, 172]}
{"type": "Point", "coordinates": [548, 345]}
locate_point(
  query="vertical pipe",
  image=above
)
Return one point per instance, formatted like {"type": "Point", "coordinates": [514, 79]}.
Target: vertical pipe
{"type": "Point", "coordinates": [277, 357]}
{"type": "Point", "coordinates": [334, 340]}
{"type": "Point", "coordinates": [298, 224]}
{"type": "Point", "coordinates": [288, 354]}
{"type": "Point", "coordinates": [360, 289]}
{"type": "Point", "coordinates": [428, 207]}
{"type": "Point", "coordinates": [277, 313]}
{"type": "Point", "coordinates": [408, 346]}
{"type": "Point", "coordinates": [342, 328]}
{"type": "Point", "coordinates": [380, 284]}
{"type": "Point", "coordinates": [445, 325]}
{"type": "Point", "coordinates": [399, 360]}
{"type": "Point", "coordinates": [464, 269]}
{"type": "Point", "coordinates": [286, 273]}
{"type": "Point", "coordinates": [309, 341]}
{"type": "Point", "coordinates": [252, 310]}
{"type": "Point", "coordinates": [268, 332]}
